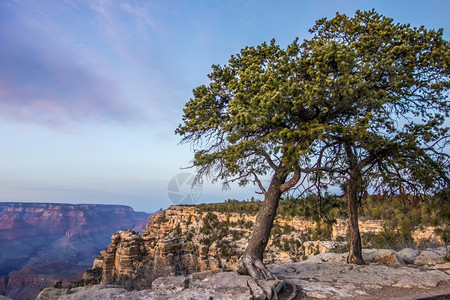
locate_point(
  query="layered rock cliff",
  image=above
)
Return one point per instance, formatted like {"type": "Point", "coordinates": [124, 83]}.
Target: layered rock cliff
{"type": "Point", "coordinates": [42, 243]}
{"type": "Point", "coordinates": [186, 239]}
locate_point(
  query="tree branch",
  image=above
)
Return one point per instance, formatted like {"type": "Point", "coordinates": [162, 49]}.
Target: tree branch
{"type": "Point", "coordinates": [291, 182]}
{"type": "Point", "coordinates": [261, 187]}
{"type": "Point", "coordinates": [270, 161]}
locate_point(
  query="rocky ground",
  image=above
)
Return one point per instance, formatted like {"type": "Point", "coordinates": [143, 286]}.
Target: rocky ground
{"type": "Point", "coordinates": [408, 274]}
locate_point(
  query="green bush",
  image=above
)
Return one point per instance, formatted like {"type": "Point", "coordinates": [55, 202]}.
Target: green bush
{"type": "Point", "coordinates": [58, 285]}
{"type": "Point", "coordinates": [205, 250]}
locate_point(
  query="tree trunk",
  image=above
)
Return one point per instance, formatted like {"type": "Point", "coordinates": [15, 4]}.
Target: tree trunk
{"type": "Point", "coordinates": [352, 188]}
{"type": "Point", "coordinates": [251, 261]}
{"type": "Point", "coordinates": [355, 252]}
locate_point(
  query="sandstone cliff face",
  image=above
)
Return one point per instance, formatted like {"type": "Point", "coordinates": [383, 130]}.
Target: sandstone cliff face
{"type": "Point", "coordinates": [42, 243]}
{"type": "Point", "coordinates": [183, 239]}
{"type": "Point", "coordinates": [376, 226]}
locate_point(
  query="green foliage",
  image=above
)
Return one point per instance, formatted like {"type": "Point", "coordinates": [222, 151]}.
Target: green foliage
{"type": "Point", "coordinates": [232, 206]}
{"type": "Point", "coordinates": [386, 239]}
{"type": "Point", "coordinates": [406, 211]}
{"type": "Point", "coordinates": [205, 250]}
{"type": "Point", "coordinates": [322, 232]}
{"type": "Point", "coordinates": [177, 229]}
{"type": "Point", "coordinates": [244, 123]}
{"type": "Point", "coordinates": [362, 104]}
{"type": "Point", "coordinates": [380, 91]}
{"type": "Point", "coordinates": [237, 234]}
{"type": "Point", "coordinates": [225, 249]}
{"type": "Point", "coordinates": [189, 236]}
{"type": "Point", "coordinates": [92, 276]}
{"type": "Point", "coordinates": [58, 285]}
{"type": "Point", "coordinates": [205, 241]}
{"type": "Point", "coordinates": [286, 229]}
{"type": "Point", "coordinates": [218, 232]}
{"type": "Point", "coordinates": [286, 245]}
{"type": "Point", "coordinates": [189, 221]}
{"type": "Point", "coordinates": [75, 284]}
{"type": "Point", "coordinates": [316, 251]}
{"type": "Point", "coordinates": [325, 208]}
{"type": "Point", "coordinates": [248, 225]}
{"type": "Point", "coordinates": [210, 223]}
{"type": "Point", "coordinates": [401, 216]}
{"type": "Point", "coordinates": [276, 230]}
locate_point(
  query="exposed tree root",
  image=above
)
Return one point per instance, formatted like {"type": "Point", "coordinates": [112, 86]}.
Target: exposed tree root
{"type": "Point", "coordinates": [255, 268]}
{"type": "Point", "coordinates": [294, 292]}
{"type": "Point", "coordinates": [257, 292]}
{"type": "Point", "coordinates": [292, 288]}
{"type": "Point", "coordinates": [353, 259]}
{"type": "Point", "coordinates": [264, 284]}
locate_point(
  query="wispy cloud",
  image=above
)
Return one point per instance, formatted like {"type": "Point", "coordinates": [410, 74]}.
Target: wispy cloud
{"type": "Point", "coordinates": [52, 91]}
{"type": "Point", "coordinates": [130, 30]}
{"type": "Point", "coordinates": [45, 79]}
{"type": "Point", "coordinates": [141, 14]}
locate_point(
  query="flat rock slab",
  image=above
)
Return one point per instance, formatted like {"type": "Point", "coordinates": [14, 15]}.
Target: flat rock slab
{"type": "Point", "coordinates": [316, 280]}
{"type": "Point", "coordinates": [408, 255]}
{"type": "Point", "coordinates": [95, 292]}
{"type": "Point", "coordinates": [224, 285]}
{"type": "Point", "coordinates": [341, 281]}
{"type": "Point", "coordinates": [428, 258]}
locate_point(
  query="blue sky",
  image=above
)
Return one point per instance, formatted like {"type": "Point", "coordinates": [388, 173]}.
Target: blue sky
{"type": "Point", "coordinates": [92, 91]}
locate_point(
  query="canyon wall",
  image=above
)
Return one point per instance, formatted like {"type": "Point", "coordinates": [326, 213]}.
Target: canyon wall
{"type": "Point", "coordinates": [42, 243]}
{"type": "Point", "coordinates": [185, 239]}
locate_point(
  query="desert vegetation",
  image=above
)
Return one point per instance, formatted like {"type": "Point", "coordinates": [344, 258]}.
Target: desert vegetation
{"type": "Point", "coordinates": [187, 239]}
{"type": "Point", "coordinates": [400, 216]}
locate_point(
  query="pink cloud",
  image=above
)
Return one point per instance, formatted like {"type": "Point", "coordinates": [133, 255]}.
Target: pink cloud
{"type": "Point", "coordinates": [43, 80]}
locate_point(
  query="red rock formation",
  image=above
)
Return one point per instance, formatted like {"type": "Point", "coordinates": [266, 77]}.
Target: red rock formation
{"type": "Point", "coordinates": [42, 242]}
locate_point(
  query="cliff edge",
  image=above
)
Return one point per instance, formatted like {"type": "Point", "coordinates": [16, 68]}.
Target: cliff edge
{"type": "Point", "coordinates": [185, 239]}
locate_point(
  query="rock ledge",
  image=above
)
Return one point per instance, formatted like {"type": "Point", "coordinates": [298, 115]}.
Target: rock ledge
{"type": "Point", "coordinates": [314, 280]}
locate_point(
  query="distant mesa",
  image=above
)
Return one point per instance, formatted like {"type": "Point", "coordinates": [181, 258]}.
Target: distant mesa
{"type": "Point", "coordinates": [42, 243]}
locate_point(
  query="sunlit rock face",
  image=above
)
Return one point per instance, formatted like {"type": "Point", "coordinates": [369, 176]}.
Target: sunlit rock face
{"type": "Point", "coordinates": [42, 243]}
{"type": "Point", "coordinates": [185, 239]}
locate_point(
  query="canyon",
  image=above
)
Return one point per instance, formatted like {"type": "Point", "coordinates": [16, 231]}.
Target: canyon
{"type": "Point", "coordinates": [186, 239]}
{"type": "Point", "coordinates": [189, 252]}
{"type": "Point", "coordinates": [42, 243]}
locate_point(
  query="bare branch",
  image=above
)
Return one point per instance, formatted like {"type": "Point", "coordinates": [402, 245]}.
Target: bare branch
{"type": "Point", "coordinates": [261, 187]}
{"type": "Point", "coordinates": [270, 161]}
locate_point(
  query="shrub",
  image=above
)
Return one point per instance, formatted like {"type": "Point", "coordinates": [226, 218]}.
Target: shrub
{"type": "Point", "coordinates": [92, 276]}
{"type": "Point", "coordinates": [205, 250]}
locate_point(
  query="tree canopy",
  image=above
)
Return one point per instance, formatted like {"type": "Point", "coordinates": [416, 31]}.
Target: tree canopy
{"type": "Point", "coordinates": [244, 126]}
{"type": "Point", "coordinates": [243, 123]}
{"type": "Point", "coordinates": [381, 89]}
